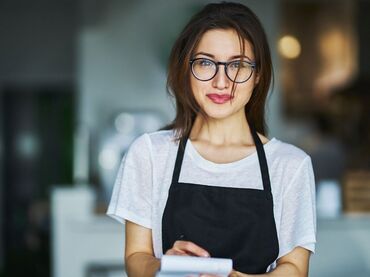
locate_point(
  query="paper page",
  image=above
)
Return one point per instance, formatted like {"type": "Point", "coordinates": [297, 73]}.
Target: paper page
{"type": "Point", "coordinates": [186, 266]}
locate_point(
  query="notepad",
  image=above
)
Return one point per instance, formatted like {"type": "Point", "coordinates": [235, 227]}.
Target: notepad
{"type": "Point", "coordinates": [186, 266]}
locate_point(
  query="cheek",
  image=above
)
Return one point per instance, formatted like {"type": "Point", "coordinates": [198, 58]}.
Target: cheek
{"type": "Point", "coordinates": [244, 91]}
{"type": "Point", "coordinates": [193, 85]}
{"type": "Point", "coordinates": [198, 89]}
{"type": "Point", "coordinates": [242, 96]}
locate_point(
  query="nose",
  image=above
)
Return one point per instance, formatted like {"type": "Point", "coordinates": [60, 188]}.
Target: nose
{"type": "Point", "coordinates": [220, 81]}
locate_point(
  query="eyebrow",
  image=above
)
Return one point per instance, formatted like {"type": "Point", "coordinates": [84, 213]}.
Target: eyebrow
{"type": "Point", "coordinates": [231, 58]}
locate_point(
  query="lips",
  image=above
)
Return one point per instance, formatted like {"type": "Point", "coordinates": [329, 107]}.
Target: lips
{"type": "Point", "coordinates": [219, 98]}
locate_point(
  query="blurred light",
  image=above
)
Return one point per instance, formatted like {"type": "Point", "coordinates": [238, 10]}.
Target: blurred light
{"type": "Point", "coordinates": [27, 145]}
{"type": "Point", "coordinates": [108, 158]}
{"type": "Point", "coordinates": [289, 47]}
{"type": "Point", "coordinates": [338, 61]}
{"type": "Point", "coordinates": [81, 154]}
{"type": "Point", "coordinates": [328, 199]}
{"type": "Point", "coordinates": [151, 123]}
{"type": "Point", "coordinates": [124, 123]}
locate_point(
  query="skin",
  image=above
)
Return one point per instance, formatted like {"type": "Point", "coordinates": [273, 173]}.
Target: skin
{"type": "Point", "coordinates": [224, 138]}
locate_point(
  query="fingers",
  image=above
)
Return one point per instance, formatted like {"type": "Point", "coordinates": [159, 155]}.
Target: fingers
{"type": "Point", "coordinates": [176, 252]}
{"type": "Point", "coordinates": [187, 248]}
{"type": "Point", "coordinates": [190, 248]}
{"type": "Point", "coordinates": [234, 274]}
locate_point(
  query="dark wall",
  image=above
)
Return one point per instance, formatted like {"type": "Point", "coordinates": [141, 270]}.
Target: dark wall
{"type": "Point", "coordinates": [37, 50]}
{"type": "Point", "coordinates": [363, 23]}
{"type": "Point", "coordinates": [38, 40]}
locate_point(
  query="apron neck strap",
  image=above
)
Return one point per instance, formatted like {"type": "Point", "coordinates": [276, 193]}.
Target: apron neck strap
{"type": "Point", "coordinates": [262, 160]}
{"type": "Point", "coordinates": [260, 152]}
{"type": "Point", "coordinates": [179, 158]}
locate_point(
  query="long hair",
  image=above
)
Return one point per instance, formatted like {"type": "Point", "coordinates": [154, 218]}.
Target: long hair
{"type": "Point", "coordinates": [223, 15]}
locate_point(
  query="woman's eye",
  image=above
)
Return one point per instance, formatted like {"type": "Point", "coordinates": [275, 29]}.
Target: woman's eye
{"type": "Point", "coordinates": [205, 63]}
{"type": "Point", "coordinates": [236, 65]}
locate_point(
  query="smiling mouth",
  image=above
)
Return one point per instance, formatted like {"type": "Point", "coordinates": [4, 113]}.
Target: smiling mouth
{"type": "Point", "coordinates": [219, 98]}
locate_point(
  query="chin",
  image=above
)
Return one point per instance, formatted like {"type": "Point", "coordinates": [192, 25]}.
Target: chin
{"type": "Point", "coordinates": [218, 114]}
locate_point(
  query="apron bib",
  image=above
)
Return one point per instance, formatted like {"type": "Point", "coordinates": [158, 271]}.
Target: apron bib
{"type": "Point", "coordinates": [236, 223]}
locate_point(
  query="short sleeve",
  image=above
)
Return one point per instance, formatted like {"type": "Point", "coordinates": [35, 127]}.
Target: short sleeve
{"type": "Point", "coordinates": [132, 192]}
{"type": "Point", "coordinates": [298, 217]}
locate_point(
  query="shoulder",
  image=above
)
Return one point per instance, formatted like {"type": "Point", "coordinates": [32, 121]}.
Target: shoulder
{"type": "Point", "coordinates": [286, 156]}
{"type": "Point", "coordinates": [156, 141]}
{"type": "Point", "coordinates": [161, 137]}
{"type": "Point", "coordinates": [282, 150]}
{"type": "Point", "coordinates": [291, 170]}
{"type": "Point", "coordinates": [287, 150]}
{"type": "Point", "coordinates": [149, 147]}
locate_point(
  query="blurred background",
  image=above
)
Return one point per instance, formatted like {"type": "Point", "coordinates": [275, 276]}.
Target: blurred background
{"type": "Point", "coordinates": [80, 79]}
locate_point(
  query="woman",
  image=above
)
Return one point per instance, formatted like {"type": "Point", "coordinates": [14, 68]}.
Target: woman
{"type": "Point", "coordinates": [212, 184]}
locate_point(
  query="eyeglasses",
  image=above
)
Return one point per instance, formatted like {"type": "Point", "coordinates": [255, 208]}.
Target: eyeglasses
{"type": "Point", "coordinates": [237, 71]}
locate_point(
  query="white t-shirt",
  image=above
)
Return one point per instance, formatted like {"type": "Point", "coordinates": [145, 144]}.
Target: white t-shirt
{"type": "Point", "coordinates": [141, 188]}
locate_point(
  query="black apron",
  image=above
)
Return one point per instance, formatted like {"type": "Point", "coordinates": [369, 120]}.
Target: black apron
{"type": "Point", "coordinates": [236, 223]}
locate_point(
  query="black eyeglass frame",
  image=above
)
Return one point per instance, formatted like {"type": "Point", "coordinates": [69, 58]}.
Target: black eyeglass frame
{"type": "Point", "coordinates": [225, 64]}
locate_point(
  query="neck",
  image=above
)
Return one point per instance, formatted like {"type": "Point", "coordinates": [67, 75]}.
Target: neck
{"type": "Point", "coordinates": [226, 131]}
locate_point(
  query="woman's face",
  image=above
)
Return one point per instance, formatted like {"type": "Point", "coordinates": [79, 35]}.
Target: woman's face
{"type": "Point", "coordinates": [214, 96]}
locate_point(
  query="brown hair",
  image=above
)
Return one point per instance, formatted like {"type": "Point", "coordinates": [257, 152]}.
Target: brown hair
{"type": "Point", "coordinates": [223, 15]}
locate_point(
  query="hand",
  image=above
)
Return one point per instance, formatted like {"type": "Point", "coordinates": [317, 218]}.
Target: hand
{"type": "Point", "coordinates": [187, 248]}
{"type": "Point", "coordinates": [232, 274]}
{"type": "Point", "coordinates": [235, 273]}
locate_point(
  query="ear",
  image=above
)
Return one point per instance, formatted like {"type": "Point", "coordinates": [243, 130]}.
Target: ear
{"type": "Point", "coordinates": [256, 79]}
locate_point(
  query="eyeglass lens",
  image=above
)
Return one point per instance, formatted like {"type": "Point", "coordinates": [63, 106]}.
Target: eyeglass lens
{"type": "Point", "coordinates": [236, 71]}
